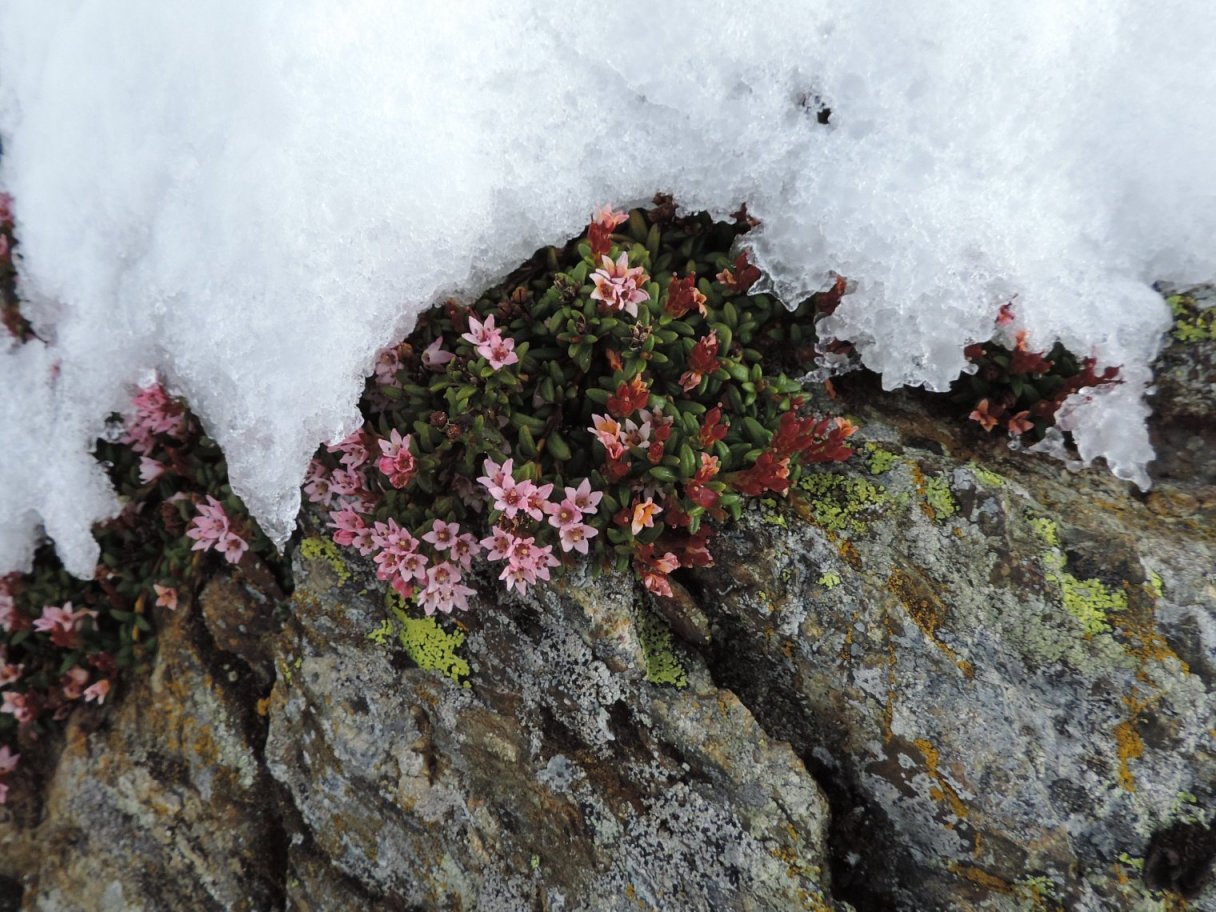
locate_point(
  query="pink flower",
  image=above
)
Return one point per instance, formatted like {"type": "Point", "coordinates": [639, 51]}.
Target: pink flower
{"type": "Point", "coordinates": [434, 357]}
{"type": "Point", "coordinates": [643, 515]}
{"type": "Point", "coordinates": [608, 431]}
{"type": "Point", "coordinates": [444, 590]}
{"type": "Point", "coordinates": [536, 500]}
{"type": "Point", "coordinates": [499, 351]}
{"type": "Point", "coordinates": [464, 549]}
{"type": "Point", "coordinates": [8, 760]}
{"type": "Point", "coordinates": [316, 484]}
{"type": "Point", "coordinates": [584, 498]}
{"type": "Point", "coordinates": [97, 692]}
{"type": "Point", "coordinates": [619, 286]}
{"type": "Point", "coordinates": [608, 217]}
{"type": "Point", "coordinates": [499, 545]}
{"type": "Point", "coordinates": [388, 365]}
{"type": "Point", "coordinates": [442, 535]}
{"type": "Point", "coordinates": [233, 547]}
{"type": "Point", "coordinates": [353, 449]}
{"type": "Point", "coordinates": [210, 530]}
{"type": "Point", "coordinates": [10, 673]}
{"type": "Point", "coordinates": [16, 705]}
{"type": "Point", "coordinates": [496, 476]}
{"type": "Point", "coordinates": [73, 683]}
{"type": "Point", "coordinates": [635, 435]}
{"type": "Point", "coordinates": [397, 462]}
{"type": "Point", "coordinates": [149, 469]}
{"type": "Point", "coordinates": [480, 333]}
{"type": "Point", "coordinates": [564, 514]}
{"type": "Point", "coordinates": [155, 413]}
{"type": "Point", "coordinates": [166, 596]}
{"type": "Point", "coordinates": [513, 496]}
{"type": "Point", "coordinates": [62, 624]}
{"type": "Point", "coordinates": [574, 537]}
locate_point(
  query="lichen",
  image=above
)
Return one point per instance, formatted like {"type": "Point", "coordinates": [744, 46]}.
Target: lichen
{"type": "Point", "coordinates": [844, 505]}
{"type": "Point", "coordinates": [1191, 323]}
{"type": "Point", "coordinates": [880, 461]}
{"type": "Point", "coordinates": [1089, 601]}
{"type": "Point", "coordinates": [770, 514]}
{"type": "Point", "coordinates": [322, 549]}
{"type": "Point", "coordinates": [986, 476]}
{"type": "Point", "coordinates": [939, 498]}
{"type": "Point", "coordinates": [662, 666]}
{"type": "Point", "coordinates": [427, 644]}
{"type": "Point", "coordinates": [830, 579]}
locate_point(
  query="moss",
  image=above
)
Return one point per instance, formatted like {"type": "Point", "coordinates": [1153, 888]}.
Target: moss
{"type": "Point", "coordinates": [427, 644]}
{"type": "Point", "coordinates": [830, 579]}
{"type": "Point", "coordinates": [662, 666]}
{"type": "Point", "coordinates": [880, 461]}
{"type": "Point", "coordinates": [322, 549]}
{"type": "Point", "coordinates": [938, 496]}
{"type": "Point", "coordinates": [1192, 324]}
{"type": "Point", "coordinates": [844, 505]}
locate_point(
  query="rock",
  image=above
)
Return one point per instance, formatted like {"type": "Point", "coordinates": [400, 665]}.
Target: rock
{"type": "Point", "coordinates": [163, 803]}
{"type": "Point", "coordinates": [551, 781]}
{"type": "Point", "coordinates": [942, 676]}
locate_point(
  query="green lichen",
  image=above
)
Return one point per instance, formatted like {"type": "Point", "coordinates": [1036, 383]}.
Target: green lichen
{"type": "Point", "coordinates": [843, 504]}
{"type": "Point", "coordinates": [830, 579]}
{"type": "Point", "coordinates": [938, 496]}
{"type": "Point", "coordinates": [427, 644]}
{"type": "Point", "coordinates": [382, 634]}
{"type": "Point", "coordinates": [1155, 585]}
{"type": "Point", "coordinates": [1047, 530]}
{"type": "Point", "coordinates": [1192, 324]}
{"type": "Point", "coordinates": [662, 666]}
{"type": "Point", "coordinates": [880, 461]}
{"type": "Point", "coordinates": [986, 476]}
{"type": "Point", "coordinates": [770, 514]}
{"type": "Point", "coordinates": [1089, 601]}
{"type": "Point", "coordinates": [322, 549]}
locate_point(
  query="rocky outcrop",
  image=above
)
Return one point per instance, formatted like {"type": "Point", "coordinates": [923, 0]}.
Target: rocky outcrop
{"type": "Point", "coordinates": [943, 676]}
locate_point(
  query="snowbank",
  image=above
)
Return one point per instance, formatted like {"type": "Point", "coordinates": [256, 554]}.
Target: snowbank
{"type": "Point", "coordinates": [252, 198]}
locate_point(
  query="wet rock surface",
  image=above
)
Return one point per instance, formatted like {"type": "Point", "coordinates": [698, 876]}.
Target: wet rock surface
{"type": "Point", "coordinates": [943, 676]}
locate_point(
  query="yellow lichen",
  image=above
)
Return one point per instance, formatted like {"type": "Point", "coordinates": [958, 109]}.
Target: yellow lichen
{"type": "Point", "coordinates": [938, 498]}
{"type": "Point", "coordinates": [322, 549]}
{"type": "Point", "coordinates": [844, 505]}
{"type": "Point", "coordinates": [880, 461]}
{"type": "Point", "coordinates": [830, 579]}
{"type": "Point", "coordinates": [662, 666]}
{"type": "Point", "coordinates": [1089, 601]}
{"type": "Point", "coordinates": [427, 644]}
{"type": "Point", "coordinates": [1192, 324]}
{"type": "Point", "coordinates": [986, 476]}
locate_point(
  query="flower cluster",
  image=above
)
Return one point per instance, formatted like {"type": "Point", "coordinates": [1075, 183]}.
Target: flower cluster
{"type": "Point", "coordinates": [599, 404]}
{"type": "Point", "coordinates": [212, 529]}
{"type": "Point", "coordinates": [65, 641]}
{"type": "Point", "coordinates": [1018, 389]}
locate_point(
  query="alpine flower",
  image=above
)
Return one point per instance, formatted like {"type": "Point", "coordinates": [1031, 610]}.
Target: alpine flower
{"type": "Point", "coordinates": [618, 286]}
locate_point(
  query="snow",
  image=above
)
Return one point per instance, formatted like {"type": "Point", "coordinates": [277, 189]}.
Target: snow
{"type": "Point", "coordinates": [252, 198]}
